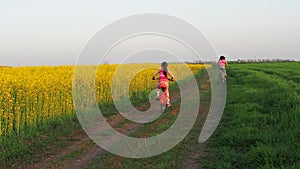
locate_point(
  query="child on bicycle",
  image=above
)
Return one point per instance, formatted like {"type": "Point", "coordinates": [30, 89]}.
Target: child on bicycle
{"type": "Point", "coordinates": [163, 79]}
{"type": "Point", "coordinates": [222, 67]}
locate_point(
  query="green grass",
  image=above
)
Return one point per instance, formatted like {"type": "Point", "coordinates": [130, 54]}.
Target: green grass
{"type": "Point", "coordinates": [260, 127]}
{"type": "Point", "coordinates": [21, 150]}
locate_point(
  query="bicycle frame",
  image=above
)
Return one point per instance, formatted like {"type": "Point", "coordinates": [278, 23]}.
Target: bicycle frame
{"type": "Point", "coordinates": [164, 95]}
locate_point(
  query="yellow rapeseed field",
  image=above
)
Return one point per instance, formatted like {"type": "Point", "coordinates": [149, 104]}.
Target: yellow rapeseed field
{"type": "Point", "coordinates": [30, 96]}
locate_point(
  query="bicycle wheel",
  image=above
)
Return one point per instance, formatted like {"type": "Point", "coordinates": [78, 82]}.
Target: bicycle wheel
{"type": "Point", "coordinates": [163, 107]}
{"type": "Point", "coordinates": [163, 100]}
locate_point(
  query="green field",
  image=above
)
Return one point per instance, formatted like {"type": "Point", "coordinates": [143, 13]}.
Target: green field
{"type": "Point", "coordinates": [260, 127]}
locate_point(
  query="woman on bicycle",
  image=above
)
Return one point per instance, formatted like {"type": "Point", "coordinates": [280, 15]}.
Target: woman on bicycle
{"type": "Point", "coordinates": [222, 67]}
{"type": "Point", "coordinates": [163, 81]}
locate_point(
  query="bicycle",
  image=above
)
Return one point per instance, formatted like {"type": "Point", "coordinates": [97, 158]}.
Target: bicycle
{"type": "Point", "coordinates": [163, 99]}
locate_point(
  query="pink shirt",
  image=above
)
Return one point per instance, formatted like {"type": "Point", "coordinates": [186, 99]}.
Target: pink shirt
{"type": "Point", "coordinates": [222, 63]}
{"type": "Point", "coordinates": [162, 77]}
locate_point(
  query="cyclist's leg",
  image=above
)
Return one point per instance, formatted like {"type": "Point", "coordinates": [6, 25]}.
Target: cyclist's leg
{"type": "Point", "coordinates": [222, 74]}
{"type": "Point", "coordinates": [157, 91]}
{"type": "Point", "coordinates": [168, 97]}
{"type": "Point", "coordinates": [163, 96]}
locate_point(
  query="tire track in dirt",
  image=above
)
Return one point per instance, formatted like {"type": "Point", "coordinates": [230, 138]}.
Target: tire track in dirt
{"type": "Point", "coordinates": [83, 139]}
{"type": "Point", "coordinates": [89, 149]}
{"type": "Point", "coordinates": [198, 150]}
{"type": "Point", "coordinates": [95, 150]}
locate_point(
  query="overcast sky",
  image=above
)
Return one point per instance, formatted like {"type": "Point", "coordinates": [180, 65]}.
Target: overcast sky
{"type": "Point", "coordinates": [53, 32]}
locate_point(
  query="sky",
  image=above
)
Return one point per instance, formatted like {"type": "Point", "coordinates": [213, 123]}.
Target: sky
{"type": "Point", "coordinates": [54, 32]}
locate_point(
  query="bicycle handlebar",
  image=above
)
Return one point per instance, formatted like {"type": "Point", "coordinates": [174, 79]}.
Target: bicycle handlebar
{"type": "Point", "coordinates": [156, 78]}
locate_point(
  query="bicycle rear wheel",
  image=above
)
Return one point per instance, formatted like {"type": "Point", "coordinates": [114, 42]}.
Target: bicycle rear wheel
{"type": "Point", "coordinates": [163, 100]}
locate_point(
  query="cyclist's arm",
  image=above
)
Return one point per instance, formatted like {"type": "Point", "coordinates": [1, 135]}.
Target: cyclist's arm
{"type": "Point", "coordinates": [171, 74]}
{"type": "Point", "coordinates": [226, 63]}
{"type": "Point", "coordinates": [156, 73]}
